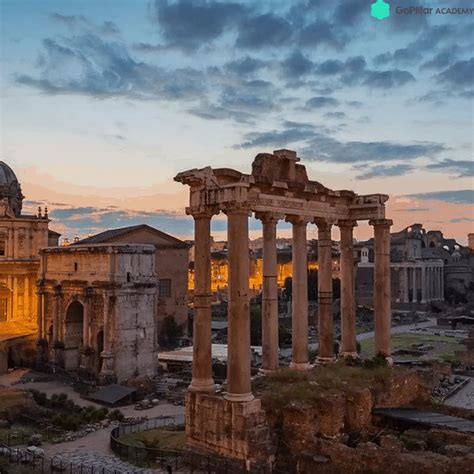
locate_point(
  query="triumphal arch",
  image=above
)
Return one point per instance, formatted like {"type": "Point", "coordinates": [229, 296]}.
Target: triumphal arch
{"type": "Point", "coordinates": [278, 188]}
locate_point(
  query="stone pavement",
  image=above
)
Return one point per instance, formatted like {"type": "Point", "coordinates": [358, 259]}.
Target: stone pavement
{"type": "Point", "coordinates": [99, 462]}
{"type": "Point", "coordinates": [464, 398]}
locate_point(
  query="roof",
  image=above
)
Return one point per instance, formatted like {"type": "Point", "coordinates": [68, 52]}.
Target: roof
{"type": "Point", "coordinates": [111, 394]}
{"type": "Point", "coordinates": [53, 232]}
{"type": "Point", "coordinates": [112, 234]}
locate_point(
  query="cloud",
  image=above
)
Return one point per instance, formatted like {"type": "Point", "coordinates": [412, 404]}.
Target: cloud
{"type": "Point", "coordinates": [80, 21]}
{"type": "Point", "coordinates": [319, 102]}
{"type": "Point", "coordinates": [413, 209]}
{"type": "Point", "coordinates": [460, 168]}
{"type": "Point", "coordinates": [457, 220]}
{"type": "Point", "coordinates": [383, 171]}
{"type": "Point", "coordinates": [460, 74]}
{"type": "Point", "coordinates": [319, 33]}
{"type": "Point", "coordinates": [317, 145]}
{"type": "Point", "coordinates": [191, 25]}
{"type": "Point", "coordinates": [88, 65]}
{"type": "Point", "coordinates": [335, 115]}
{"type": "Point", "coordinates": [296, 65]}
{"type": "Point", "coordinates": [388, 79]}
{"type": "Point", "coordinates": [244, 66]}
{"type": "Point", "coordinates": [266, 30]}
{"type": "Point", "coordinates": [276, 138]}
{"type": "Point", "coordinates": [463, 196]}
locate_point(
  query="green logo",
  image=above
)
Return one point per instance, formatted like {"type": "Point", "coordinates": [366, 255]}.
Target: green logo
{"type": "Point", "coordinates": [380, 10]}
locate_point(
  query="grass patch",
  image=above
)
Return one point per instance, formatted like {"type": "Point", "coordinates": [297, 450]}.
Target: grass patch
{"type": "Point", "coordinates": [172, 440]}
{"type": "Point", "coordinates": [287, 385]}
{"type": "Point", "coordinates": [443, 346]}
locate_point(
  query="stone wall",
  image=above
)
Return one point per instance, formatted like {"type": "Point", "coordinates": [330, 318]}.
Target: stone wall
{"type": "Point", "coordinates": [234, 429]}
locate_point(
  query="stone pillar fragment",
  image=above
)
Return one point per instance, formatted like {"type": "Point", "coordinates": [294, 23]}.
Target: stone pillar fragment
{"type": "Point", "coordinates": [202, 380]}
{"type": "Point", "coordinates": [299, 302]}
{"type": "Point", "coordinates": [382, 302]}
{"type": "Point", "coordinates": [269, 294]}
{"type": "Point", "coordinates": [39, 311]}
{"type": "Point", "coordinates": [56, 311]}
{"type": "Point", "coordinates": [238, 334]}
{"type": "Point", "coordinates": [325, 297]}
{"type": "Point", "coordinates": [423, 285]}
{"type": "Point", "coordinates": [414, 297]}
{"type": "Point", "coordinates": [348, 310]}
{"type": "Point", "coordinates": [406, 285]}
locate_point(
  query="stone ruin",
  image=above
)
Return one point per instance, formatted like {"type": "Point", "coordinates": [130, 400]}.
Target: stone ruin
{"type": "Point", "coordinates": [278, 188]}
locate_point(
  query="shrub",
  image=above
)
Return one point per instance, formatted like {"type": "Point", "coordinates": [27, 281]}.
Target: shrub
{"type": "Point", "coordinates": [116, 415]}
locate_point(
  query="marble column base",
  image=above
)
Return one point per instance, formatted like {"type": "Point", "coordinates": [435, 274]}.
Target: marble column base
{"type": "Point", "coordinates": [353, 355]}
{"type": "Point", "coordinates": [324, 360]}
{"type": "Point", "coordinates": [239, 397]}
{"type": "Point", "coordinates": [202, 385]}
{"type": "Point", "coordinates": [300, 365]}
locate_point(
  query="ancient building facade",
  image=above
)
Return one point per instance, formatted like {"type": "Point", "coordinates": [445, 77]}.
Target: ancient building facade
{"type": "Point", "coordinates": [21, 237]}
{"type": "Point", "coordinates": [278, 188]}
{"type": "Point", "coordinates": [96, 308]}
{"type": "Point", "coordinates": [424, 264]}
{"type": "Point", "coordinates": [171, 266]}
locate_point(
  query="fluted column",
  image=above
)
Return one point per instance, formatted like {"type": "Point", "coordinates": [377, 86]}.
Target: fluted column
{"type": "Point", "coordinates": [325, 316]}
{"type": "Point", "coordinates": [406, 285]}
{"type": "Point", "coordinates": [382, 302]}
{"type": "Point", "coordinates": [438, 284]}
{"type": "Point", "coordinates": [423, 285]}
{"type": "Point", "coordinates": [441, 271]}
{"type": "Point", "coordinates": [202, 380]}
{"type": "Point", "coordinates": [348, 310]}
{"type": "Point", "coordinates": [56, 311]}
{"type": "Point", "coordinates": [39, 310]}
{"type": "Point", "coordinates": [269, 293]}
{"type": "Point", "coordinates": [238, 335]}
{"type": "Point", "coordinates": [86, 317]}
{"type": "Point", "coordinates": [414, 296]}
{"type": "Point", "coordinates": [299, 320]}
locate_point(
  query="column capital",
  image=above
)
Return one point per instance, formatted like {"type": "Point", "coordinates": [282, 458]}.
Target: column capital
{"type": "Point", "coordinates": [323, 224]}
{"type": "Point", "coordinates": [298, 220]}
{"type": "Point", "coordinates": [347, 223]}
{"type": "Point", "coordinates": [236, 207]}
{"type": "Point", "coordinates": [381, 222]}
{"type": "Point", "coordinates": [269, 217]}
{"type": "Point", "coordinates": [201, 212]}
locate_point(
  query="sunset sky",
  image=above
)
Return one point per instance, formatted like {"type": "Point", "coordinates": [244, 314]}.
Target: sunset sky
{"type": "Point", "coordinates": [104, 101]}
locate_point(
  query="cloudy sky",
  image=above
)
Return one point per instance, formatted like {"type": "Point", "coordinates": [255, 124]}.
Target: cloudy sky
{"type": "Point", "coordinates": [103, 102]}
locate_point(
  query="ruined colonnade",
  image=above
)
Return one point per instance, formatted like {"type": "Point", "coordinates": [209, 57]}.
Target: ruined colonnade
{"type": "Point", "coordinates": [279, 189]}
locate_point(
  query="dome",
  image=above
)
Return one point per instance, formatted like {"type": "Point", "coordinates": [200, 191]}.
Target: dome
{"type": "Point", "coordinates": [7, 176]}
{"type": "Point", "coordinates": [11, 197]}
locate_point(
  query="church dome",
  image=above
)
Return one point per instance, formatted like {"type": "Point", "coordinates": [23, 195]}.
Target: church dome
{"type": "Point", "coordinates": [11, 196]}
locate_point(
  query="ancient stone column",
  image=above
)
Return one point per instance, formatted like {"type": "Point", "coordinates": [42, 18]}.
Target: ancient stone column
{"type": "Point", "coordinates": [39, 311]}
{"type": "Point", "coordinates": [270, 293]}
{"type": "Point", "coordinates": [107, 370]}
{"type": "Point", "coordinates": [86, 319]}
{"type": "Point", "coordinates": [438, 284]}
{"type": "Point", "coordinates": [414, 296]}
{"type": "Point", "coordinates": [441, 270]}
{"type": "Point", "coordinates": [299, 299]}
{"type": "Point", "coordinates": [423, 285]}
{"type": "Point", "coordinates": [202, 380]}
{"type": "Point", "coordinates": [325, 316]}
{"type": "Point", "coordinates": [238, 333]}
{"type": "Point", "coordinates": [56, 311]}
{"type": "Point", "coordinates": [348, 310]}
{"type": "Point", "coordinates": [14, 313]}
{"type": "Point", "coordinates": [406, 285]}
{"type": "Point", "coordinates": [382, 302]}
